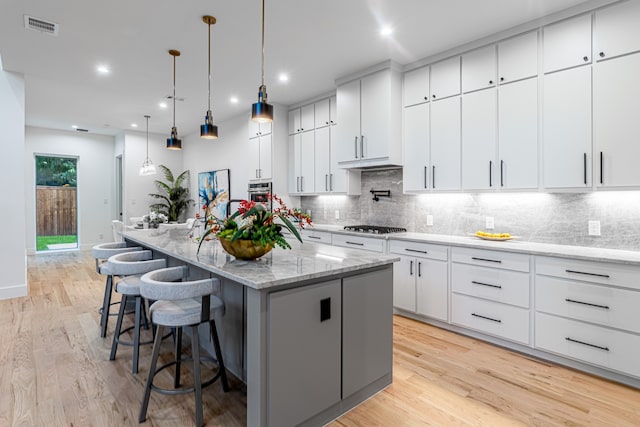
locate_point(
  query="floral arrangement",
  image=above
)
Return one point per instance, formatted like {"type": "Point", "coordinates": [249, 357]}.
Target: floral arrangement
{"type": "Point", "coordinates": [253, 221]}
{"type": "Point", "coordinates": [154, 218]}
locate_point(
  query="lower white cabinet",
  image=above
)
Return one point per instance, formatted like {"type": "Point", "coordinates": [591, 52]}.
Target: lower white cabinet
{"type": "Point", "coordinates": [359, 242]}
{"type": "Point", "coordinates": [315, 236]}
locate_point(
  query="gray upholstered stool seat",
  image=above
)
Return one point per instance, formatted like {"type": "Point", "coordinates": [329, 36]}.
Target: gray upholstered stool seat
{"type": "Point", "coordinates": [182, 304]}
{"type": "Point", "coordinates": [129, 266]}
{"type": "Point", "coordinates": [102, 253]}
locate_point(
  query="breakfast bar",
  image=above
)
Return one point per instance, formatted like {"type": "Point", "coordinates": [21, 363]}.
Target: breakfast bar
{"type": "Point", "coordinates": [308, 330]}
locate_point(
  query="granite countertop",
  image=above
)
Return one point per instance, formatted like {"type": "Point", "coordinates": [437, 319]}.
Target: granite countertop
{"type": "Point", "coordinates": [279, 267]}
{"type": "Point", "coordinates": [516, 245]}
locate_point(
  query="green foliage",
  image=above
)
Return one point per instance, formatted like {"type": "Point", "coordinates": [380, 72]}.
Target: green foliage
{"type": "Point", "coordinates": [173, 198]}
{"type": "Point", "coordinates": [56, 171]}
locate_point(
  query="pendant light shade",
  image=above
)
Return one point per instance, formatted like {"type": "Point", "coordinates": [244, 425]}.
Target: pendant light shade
{"type": "Point", "coordinates": [147, 168]}
{"type": "Point", "coordinates": [208, 130]}
{"type": "Point", "coordinates": [262, 111]}
{"type": "Point", "coordinates": [174, 143]}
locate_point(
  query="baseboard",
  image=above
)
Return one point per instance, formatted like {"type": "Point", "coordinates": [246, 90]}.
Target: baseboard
{"type": "Point", "coordinates": [14, 291]}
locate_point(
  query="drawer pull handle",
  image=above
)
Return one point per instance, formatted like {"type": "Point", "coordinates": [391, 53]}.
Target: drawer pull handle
{"type": "Point", "coordinates": [587, 303]}
{"type": "Point", "coordinates": [486, 259]}
{"type": "Point", "coordinates": [587, 344]}
{"type": "Point", "coordinates": [415, 250]}
{"type": "Point", "coordinates": [313, 237]}
{"type": "Point", "coordinates": [354, 243]}
{"type": "Point", "coordinates": [486, 284]}
{"type": "Point", "coordinates": [588, 274]}
{"type": "Point", "coordinates": [488, 318]}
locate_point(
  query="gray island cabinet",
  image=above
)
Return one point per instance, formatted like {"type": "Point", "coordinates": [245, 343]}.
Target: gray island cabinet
{"type": "Point", "coordinates": [309, 330]}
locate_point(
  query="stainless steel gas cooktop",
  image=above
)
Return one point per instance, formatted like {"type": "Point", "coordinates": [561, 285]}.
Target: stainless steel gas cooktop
{"type": "Point", "coordinates": [374, 229]}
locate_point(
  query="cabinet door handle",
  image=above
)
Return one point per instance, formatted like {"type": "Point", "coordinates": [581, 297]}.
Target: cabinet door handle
{"type": "Point", "coordinates": [354, 243]}
{"type": "Point", "coordinates": [298, 184]}
{"type": "Point", "coordinates": [606, 276]}
{"type": "Point", "coordinates": [601, 168]}
{"type": "Point", "coordinates": [257, 174]}
{"type": "Point", "coordinates": [415, 250]}
{"type": "Point", "coordinates": [501, 79]}
{"type": "Point", "coordinates": [433, 176]}
{"type": "Point", "coordinates": [585, 58]}
{"type": "Point", "coordinates": [410, 268]}
{"type": "Point", "coordinates": [486, 259]}
{"type": "Point", "coordinates": [302, 184]}
{"type": "Point", "coordinates": [330, 182]}
{"type": "Point", "coordinates": [606, 307]}
{"type": "Point", "coordinates": [487, 318]}
{"type": "Point", "coordinates": [490, 173]}
{"type": "Point", "coordinates": [313, 237]}
{"type": "Point", "coordinates": [587, 344]}
{"type": "Point", "coordinates": [326, 182]}
{"type": "Point", "coordinates": [601, 54]}
{"type": "Point", "coordinates": [585, 168]}
{"type": "Point", "coordinates": [355, 146]}
{"type": "Point", "coordinates": [433, 96]}
{"type": "Point", "coordinates": [501, 173]}
{"type": "Point", "coordinates": [426, 98]}
{"type": "Point", "coordinates": [486, 284]}
{"type": "Point", "coordinates": [361, 146]}
{"type": "Point", "coordinates": [419, 269]}
{"type": "Point", "coordinates": [490, 82]}
{"type": "Point", "coordinates": [425, 177]}
{"type": "Point", "coordinates": [325, 309]}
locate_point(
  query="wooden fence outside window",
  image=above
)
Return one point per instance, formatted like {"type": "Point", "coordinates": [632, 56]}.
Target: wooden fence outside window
{"type": "Point", "coordinates": [56, 211]}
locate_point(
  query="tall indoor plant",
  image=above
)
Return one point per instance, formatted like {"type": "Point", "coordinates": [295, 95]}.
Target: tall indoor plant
{"type": "Point", "coordinates": [173, 197]}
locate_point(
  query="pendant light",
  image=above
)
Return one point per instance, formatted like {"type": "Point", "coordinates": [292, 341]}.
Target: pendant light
{"type": "Point", "coordinates": [174, 143]}
{"type": "Point", "coordinates": [262, 111]}
{"type": "Point", "coordinates": [147, 168]}
{"type": "Point", "coordinates": [208, 130]}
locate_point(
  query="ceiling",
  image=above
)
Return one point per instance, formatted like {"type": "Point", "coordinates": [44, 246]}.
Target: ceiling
{"type": "Point", "coordinates": [313, 41]}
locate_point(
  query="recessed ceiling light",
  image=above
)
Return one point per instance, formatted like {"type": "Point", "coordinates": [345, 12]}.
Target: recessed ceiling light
{"type": "Point", "coordinates": [283, 77]}
{"type": "Point", "coordinates": [233, 99]}
{"type": "Point", "coordinates": [102, 69]}
{"type": "Point", "coordinates": [134, 125]}
{"type": "Point", "coordinates": [74, 126]}
{"type": "Point", "coordinates": [386, 31]}
{"type": "Point", "coordinates": [163, 105]}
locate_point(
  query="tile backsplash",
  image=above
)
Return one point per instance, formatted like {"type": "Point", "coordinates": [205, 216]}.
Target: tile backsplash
{"type": "Point", "coordinates": [560, 218]}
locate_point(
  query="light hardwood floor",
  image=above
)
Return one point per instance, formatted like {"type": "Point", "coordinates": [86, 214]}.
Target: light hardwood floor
{"type": "Point", "coordinates": [54, 371]}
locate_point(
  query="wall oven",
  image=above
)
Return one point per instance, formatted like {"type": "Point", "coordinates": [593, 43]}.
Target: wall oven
{"type": "Point", "coordinates": [258, 193]}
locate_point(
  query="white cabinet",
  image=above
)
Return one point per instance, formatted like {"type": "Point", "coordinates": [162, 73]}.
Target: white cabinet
{"type": "Point", "coordinates": [329, 177]}
{"type": "Point", "coordinates": [302, 150]}
{"type": "Point", "coordinates": [518, 135]}
{"type": "Point", "coordinates": [420, 278]}
{"type": "Point", "coordinates": [445, 144]}
{"type": "Point", "coordinates": [258, 129]}
{"type": "Point", "coordinates": [567, 44]}
{"type": "Point", "coordinates": [616, 128]}
{"type": "Point", "coordinates": [518, 58]}
{"type": "Point", "coordinates": [316, 236]}
{"type": "Point", "coordinates": [325, 112]}
{"type": "Point", "coordinates": [259, 158]}
{"type": "Point", "coordinates": [616, 30]}
{"type": "Point", "coordinates": [359, 242]}
{"type": "Point", "coordinates": [415, 175]}
{"type": "Point", "coordinates": [416, 86]}
{"type": "Point", "coordinates": [479, 140]}
{"type": "Point", "coordinates": [301, 119]}
{"type": "Point", "coordinates": [445, 78]}
{"type": "Point", "coordinates": [369, 111]}
{"type": "Point", "coordinates": [479, 69]}
{"type": "Point", "coordinates": [567, 129]}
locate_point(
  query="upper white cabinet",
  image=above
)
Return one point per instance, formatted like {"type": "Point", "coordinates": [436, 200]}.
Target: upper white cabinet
{"type": "Point", "coordinates": [325, 112]}
{"type": "Point", "coordinates": [258, 129]}
{"type": "Point", "coordinates": [259, 158]}
{"type": "Point", "coordinates": [416, 86]}
{"type": "Point", "coordinates": [479, 139]}
{"type": "Point", "coordinates": [567, 44]}
{"type": "Point", "coordinates": [445, 78]}
{"type": "Point", "coordinates": [567, 129]}
{"type": "Point", "coordinates": [445, 144]}
{"type": "Point", "coordinates": [415, 175]}
{"type": "Point", "coordinates": [479, 69]}
{"type": "Point", "coordinates": [369, 112]}
{"type": "Point", "coordinates": [301, 150]}
{"type": "Point", "coordinates": [616, 30]}
{"type": "Point", "coordinates": [518, 58]}
{"type": "Point", "coordinates": [329, 178]}
{"type": "Point", "coordinates": [301, 119]}
{"type": "Point", "coordinates": [518, 135]}
{"type": "Point", "coordinates": [616, 128]}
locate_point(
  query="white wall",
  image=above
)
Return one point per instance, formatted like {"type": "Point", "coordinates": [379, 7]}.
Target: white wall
{"type": "Point", "coordinates": [13, 279]}
{"type": "Point", "coordinates": [95, 180]}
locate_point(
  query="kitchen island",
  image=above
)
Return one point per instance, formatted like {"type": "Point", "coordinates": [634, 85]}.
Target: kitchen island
{"type": "Point", "coordinates": [309, 330]}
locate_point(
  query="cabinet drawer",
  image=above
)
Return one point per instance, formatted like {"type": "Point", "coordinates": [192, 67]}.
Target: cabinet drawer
{"type": "Point", "coordinates": [487, 258]}
{"type": "Point", "coordinates": [605, 305]}
{"type": "Point", "coordinates": [589, 271]}
{"type": "Point", "coordinates": [504, 321]}
{"type": "Point", "coordinates": [357, 242]}
{"type": "Point", "coordinates": [417, 249]}
{"type": "Point", "coordinates": [597, 345]}
{"type": "Point", "coordinates": [511, 287]}
{"type": "Point", "coordinates": [316, 236]}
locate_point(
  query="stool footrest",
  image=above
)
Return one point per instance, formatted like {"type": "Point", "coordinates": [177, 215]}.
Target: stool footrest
{"type": "Point", "coordinates": [184, 390]}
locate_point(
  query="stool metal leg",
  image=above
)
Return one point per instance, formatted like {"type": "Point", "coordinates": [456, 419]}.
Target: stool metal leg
{"type": "Point", "coordinates": [178, 353]}
{"type": "Point", "coordinates": [136, 335]}
{"type": "Point", "coordinates": [216, 347]}
{"type": "Point", "coordinates": [116, 333]}
{"type": "Point", "coordinates": [152, 371]}
{"type": "Point", "coordinates": [197, 381]}
{"type": "Point", "coordinates": [105, 306]}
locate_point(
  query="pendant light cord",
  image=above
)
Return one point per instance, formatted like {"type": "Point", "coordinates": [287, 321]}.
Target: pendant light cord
{"type": "Point", "coordinates": [147, 117]}
{"type": "Point", "coordinates": [262, 42]}
{"type": "Point", "coordinates": [174, 91]}
{"type": "Point", "coordinates": [209, 104]}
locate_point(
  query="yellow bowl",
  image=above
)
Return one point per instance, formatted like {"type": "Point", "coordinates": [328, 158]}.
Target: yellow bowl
{"type": "Point", "coordinates": [244, 249]}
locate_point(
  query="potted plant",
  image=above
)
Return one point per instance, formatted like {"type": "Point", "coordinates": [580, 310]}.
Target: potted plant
{"type": "Point", "coordinates": [174, 198]}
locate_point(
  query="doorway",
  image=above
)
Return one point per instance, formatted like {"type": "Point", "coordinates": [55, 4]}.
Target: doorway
{"type": "Point", "coordinates": [56, 203]}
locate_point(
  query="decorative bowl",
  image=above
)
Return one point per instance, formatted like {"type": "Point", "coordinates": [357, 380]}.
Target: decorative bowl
{"type": "Point", "coordinates": [244, 249]}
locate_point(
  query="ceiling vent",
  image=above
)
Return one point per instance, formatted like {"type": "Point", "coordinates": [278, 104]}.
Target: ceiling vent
{"type": "Point", "coordinates": [41, 25]}
{"type": "Point", "coordinates": [82, 130]}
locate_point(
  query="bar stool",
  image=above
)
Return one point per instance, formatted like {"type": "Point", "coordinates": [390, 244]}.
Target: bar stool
{"type": "Point", "coordinates": [129, 266]}
{"type": "Point", "coordinates": [102, 253]}
{"type": "Point", "coordinates": [179, 305]}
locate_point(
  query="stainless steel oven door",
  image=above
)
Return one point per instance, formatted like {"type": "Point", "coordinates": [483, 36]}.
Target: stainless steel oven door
{"type": "Point", "coordinates": [258, 193]}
